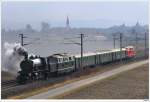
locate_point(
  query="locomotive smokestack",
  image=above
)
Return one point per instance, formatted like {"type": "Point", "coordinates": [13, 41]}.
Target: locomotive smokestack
{"type": "Point", "coordinates": [20, 50]}
{"type": "Point", "coordinates": [25, 55]}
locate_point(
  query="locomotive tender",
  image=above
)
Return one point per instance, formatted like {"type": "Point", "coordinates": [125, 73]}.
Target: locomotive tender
{"type": "Point", "coordinates": [42, 68]}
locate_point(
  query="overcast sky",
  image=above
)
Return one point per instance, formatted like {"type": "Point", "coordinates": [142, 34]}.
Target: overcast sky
{"type": "Point", "coordinates": [81, 14]}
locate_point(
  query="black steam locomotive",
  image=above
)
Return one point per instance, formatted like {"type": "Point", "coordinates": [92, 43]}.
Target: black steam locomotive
{"type": "Point", "coordinates": [34, 68]}
{"type": "Point", "coordinates": [31, 69]}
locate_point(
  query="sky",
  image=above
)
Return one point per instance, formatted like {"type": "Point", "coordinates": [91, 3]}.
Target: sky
{"type": "Point", "coordinates": [16, 15]}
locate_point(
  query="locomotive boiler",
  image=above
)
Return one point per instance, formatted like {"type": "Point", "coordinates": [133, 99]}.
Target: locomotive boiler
{"type": "Point", "coordinates": [32, 68]}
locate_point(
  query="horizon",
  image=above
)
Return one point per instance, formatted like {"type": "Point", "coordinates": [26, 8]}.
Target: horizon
{"type": "Point", "coordinates": [51, 27]}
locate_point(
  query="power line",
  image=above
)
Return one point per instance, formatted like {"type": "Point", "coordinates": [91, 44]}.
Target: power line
{"type": "Point", "coordinates": [81, 45]}
{"type": "Point", "coordinates": [121, 36]}
{"type": "Point", "coordinates": [114, 40]}
{"type": "Point", "coordinates": [82, 50]}
{"type": "Point", "coordinates": [136, 38]}
{"type": "Point", "coordinates": [145, 45]}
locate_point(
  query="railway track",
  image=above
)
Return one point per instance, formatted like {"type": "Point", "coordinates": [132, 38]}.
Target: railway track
{"type": "Point", "coordinates": [8, 84]}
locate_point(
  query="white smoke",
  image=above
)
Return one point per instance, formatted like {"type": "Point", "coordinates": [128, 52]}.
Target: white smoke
{"type": "Point", "coordinates": [12, 57]}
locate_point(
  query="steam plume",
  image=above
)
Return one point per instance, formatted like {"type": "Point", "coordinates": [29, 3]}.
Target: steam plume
{"type": "Point", "coordinates": [12, 57]}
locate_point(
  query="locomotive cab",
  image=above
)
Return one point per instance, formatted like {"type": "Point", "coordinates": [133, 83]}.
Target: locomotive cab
{"type": "Point", "coordinates": [130, 51]}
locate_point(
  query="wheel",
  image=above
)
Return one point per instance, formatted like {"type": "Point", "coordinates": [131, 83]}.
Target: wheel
{"type": "Point", "coordinates": [21, 78]}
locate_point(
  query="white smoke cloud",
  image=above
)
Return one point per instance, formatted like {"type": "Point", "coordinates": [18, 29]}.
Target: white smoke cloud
{"type": "Point", "coordinates": [13, 57]}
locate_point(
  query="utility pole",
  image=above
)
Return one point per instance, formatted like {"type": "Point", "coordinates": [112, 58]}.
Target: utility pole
{"type": "Point", "coordinates": [82, 50]}
{"type": "Point", "coordinates": [136, 41]}
{"type": "Point", "coordinates": [22, 41]}
{"type": "Point", "coordinates": [145, 45]}
{"type": "Point", "coordinates": [121, 46]}
{"type": "Point", "coordinates": [114, 38]}
{"type": "Point", "coordinates": [21, 35]}
{"type": "Point", "coordinates": [81, 45]}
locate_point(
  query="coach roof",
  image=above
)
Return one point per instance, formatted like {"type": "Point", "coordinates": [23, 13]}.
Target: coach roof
{"type": "Point", "coordinates": [99, 52]}
{"type": "Point", "coordinates": [61, 55]}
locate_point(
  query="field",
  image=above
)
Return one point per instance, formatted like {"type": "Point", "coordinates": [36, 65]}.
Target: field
{"type": "Point", "coordinates": [132, 84]}
{"type": "Point", "coordinates": [7, 76]}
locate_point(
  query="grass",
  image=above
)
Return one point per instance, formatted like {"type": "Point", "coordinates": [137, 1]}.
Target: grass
{"type": "Point", "coordinates": [117, 86]}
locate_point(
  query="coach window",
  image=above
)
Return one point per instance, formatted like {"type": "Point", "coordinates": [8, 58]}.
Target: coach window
{"type": "Point", "coordinates": [62, 64]}
{"type": "Point", "coordinates": [58, 60]}
{"type": "Point", "coordinates": [66, 59]}
{"type": "Point", "coordinates": [69, 58]}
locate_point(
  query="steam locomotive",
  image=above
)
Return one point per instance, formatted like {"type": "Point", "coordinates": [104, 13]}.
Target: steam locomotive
{"type": "Point", "coordinates": [35, 68]}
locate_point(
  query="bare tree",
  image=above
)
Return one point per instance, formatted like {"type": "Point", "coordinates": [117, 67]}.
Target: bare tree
{"type": "Point", "coordinates": [45, 27]}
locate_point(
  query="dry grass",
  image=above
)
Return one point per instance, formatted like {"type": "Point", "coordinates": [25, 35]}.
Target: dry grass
{"type": "Point", "coordinates": [132, 84]}
{"type": "Point", "coordinates": [7, 76]}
